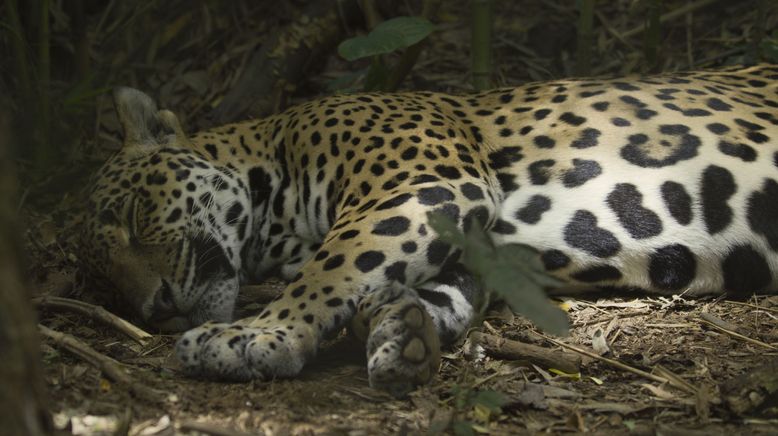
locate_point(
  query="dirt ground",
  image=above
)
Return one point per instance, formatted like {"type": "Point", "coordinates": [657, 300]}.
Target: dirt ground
{"type": "Point", "coordinates": [332, 396]}
{"type": "Point", "coordinates": [671, 338]}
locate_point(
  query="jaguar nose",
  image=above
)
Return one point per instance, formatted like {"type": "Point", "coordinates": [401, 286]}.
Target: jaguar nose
{"type": "Point", "coordinates": [164, 304]}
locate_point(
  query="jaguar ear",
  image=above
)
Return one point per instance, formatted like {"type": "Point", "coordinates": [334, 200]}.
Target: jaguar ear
{"type": "Point", "coordinates": [143, 124]}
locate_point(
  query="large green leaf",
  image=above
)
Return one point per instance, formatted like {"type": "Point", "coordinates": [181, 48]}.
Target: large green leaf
{"type": "Point", "coordinates": [387, 37]}
{"type": "Point", "coordinates": [492, 400]}
{"type": "Point", "coordinates": [512, 271]}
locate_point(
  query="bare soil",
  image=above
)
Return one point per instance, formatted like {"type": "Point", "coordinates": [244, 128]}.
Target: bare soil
{"type": "Point", "coordinates": [332, 395]}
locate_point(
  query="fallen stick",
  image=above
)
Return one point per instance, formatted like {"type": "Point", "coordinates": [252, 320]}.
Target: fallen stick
{"type": "Point", "coordinates": [502, 348]}
{"type": "Point", "coordinates": [209, 429]}
{"type": "Point", "coordinates": [95, 312]}
{"type": "Point", "coordinates": [108, 366]}
{"type": "Point", "coordinates": [755, 306]}
{"type": "Point", "coordinates": [676, 380]}
{"type": "Point", "coordinates": [619, 365]}
{"type": "Point", "coordinates": [737, 335]}
{"type": "Point", "coordinates": [753, 391]}
{"type": "Point", "coordinates": [721, 323]}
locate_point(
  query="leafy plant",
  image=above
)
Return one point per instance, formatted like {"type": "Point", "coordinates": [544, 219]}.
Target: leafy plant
{"type": "Point", "coordinates": [481, 405]}
{"type": "Point", "coordinates": [387, 37]}
{"type": "Point", "coordinates": [511, 271]}
{"type": "Point", "coordinates": [391, 35]}
{"type": "Point", "coordinates": [769, 47]}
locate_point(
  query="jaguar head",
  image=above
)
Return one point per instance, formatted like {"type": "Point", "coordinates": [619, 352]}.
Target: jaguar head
{"type": "Point", "coordinates": [165, 225]}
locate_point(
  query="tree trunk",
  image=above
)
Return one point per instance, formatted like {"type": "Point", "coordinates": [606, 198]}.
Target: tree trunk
{"type": "Point", "coordinates": [22, 394]}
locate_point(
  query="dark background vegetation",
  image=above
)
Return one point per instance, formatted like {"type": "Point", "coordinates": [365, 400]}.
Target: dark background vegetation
{"type": "Point", "coordinates": [59, 58]}
{"type": "Point", "coordinates": [213, 61]}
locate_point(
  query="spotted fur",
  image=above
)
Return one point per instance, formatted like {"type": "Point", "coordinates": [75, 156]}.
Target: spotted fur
{"type": "Point", "coordinates": [667, 184]}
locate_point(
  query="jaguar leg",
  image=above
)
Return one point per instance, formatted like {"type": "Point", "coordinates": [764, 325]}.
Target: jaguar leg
{"type": "Point", "coordinates": [405, 328]}
{"type": "Point", "coordinates": [381, 253]}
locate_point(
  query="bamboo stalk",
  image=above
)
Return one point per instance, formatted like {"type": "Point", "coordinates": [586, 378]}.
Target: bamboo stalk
{"type": "Point", "coordinates": [372, 17]}
{"type": "Point", "coordinates": [652, 37]}
{"type": "Point", "coordinates": [42, 153]}
{"type": "Point", "coordinates": [80, 40]}
{"type": "Point", "coordinates": [754, 49]}
{"type": "Point", "coordinates": [411, 54]}
{"type": "Point", "coordinates": [19, 49]}
{"type": "Point", "coordinates": [481, 44]}
{"type": "Point", "coordinates": [585, 38]}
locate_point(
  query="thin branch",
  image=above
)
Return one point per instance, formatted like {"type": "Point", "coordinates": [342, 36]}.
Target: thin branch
{"type": "Point", "coordinates": [617, 364]}
{"type": "Point", "coordinates": [95, 312]}
{"type": "Point", "coordinates": [721, 323]}
{"type": "Point", "coordinates": [738, 335]}
{"type": "Point", "coordinates": [670, 16]}
{"type": "Point", "coordinates": [755, 306]}
{"type": "Point", "coordinates": [502, 348]}
{"type": "Point", "coordinates": [209, 429]}
{"type": "Point", "coordinates": [614, 33]}
{"type": "Point", "coordinates": [111, 368]}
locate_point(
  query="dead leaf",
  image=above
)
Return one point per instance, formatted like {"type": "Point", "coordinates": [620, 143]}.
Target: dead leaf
{"type": "Point", "coordinates": [605, 406]}
{"type": "Point", "coordinates": [532, 395]}
{"type": "Point", "coordinates": [660, 392]}
{"type": "Point", "coordinates": [600, 343]}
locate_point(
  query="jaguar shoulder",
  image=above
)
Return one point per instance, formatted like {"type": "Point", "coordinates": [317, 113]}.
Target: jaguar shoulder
{"type": "Point", "coordinates": [666, 184]}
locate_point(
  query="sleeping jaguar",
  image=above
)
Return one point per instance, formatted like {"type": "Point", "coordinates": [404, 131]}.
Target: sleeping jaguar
{"type": "Point", "coordinates": [665, 184]}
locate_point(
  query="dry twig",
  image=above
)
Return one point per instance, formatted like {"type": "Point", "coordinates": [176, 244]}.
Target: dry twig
{"type": "Point", "coordinates": [672, 15]}
{"type": "Point", "coordinates": [502, 348]}
{"type": "Point", "coordinates": [709, 317]}
{"type": "Point", "coordinates": [111, 368]}
{"type": "Point", "coordinates": [617, 364]}
{"type": "Point", "coordinates": [754, 390]}
{"type": "Point", "coordinates": [755, 306]}
{"type": "Point", "coordinates": [737, 335]}
{"type": "Point", "coordinates": [95, 312]}
{"type": "Point", "coordinates": [210, 429]}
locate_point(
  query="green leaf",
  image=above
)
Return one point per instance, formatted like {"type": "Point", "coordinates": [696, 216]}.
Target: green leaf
{"type": "Point", "coordinates": [376, 77]}
{"type": "Point", "coordinates": [446, 229]}
{"type": "Point", "coordinates": [769, 48]}
{"type": "Point", "coordinates": [387, 37]}
{"type": "Point", "coordinates": [346, 82]}
{"type": "Point", "coordinates": [462, 428]}
{"type": "Point", "coordinates": [492, 400]}
{"type": "Point", "coordinates": [512, 271]}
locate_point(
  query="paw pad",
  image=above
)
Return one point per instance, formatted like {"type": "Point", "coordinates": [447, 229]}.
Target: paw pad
{"type": "Point", "coordinates": [403, 346]}
{"type": "Point", "coordinates": [415, 351]}
{"type": "Point", "coordinates": [414, 318]}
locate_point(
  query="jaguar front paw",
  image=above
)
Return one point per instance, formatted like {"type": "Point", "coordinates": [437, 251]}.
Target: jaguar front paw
{"type": "Point", "coordinates": [403, 348]}
{"type": "Point", "coordinates": [233, 352]}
